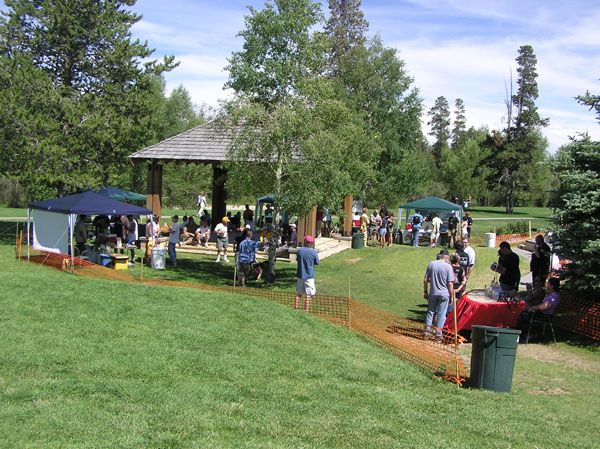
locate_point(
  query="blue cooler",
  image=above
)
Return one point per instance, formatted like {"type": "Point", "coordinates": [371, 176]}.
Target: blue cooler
{"type": "Point", "coordinates": [105, 260]}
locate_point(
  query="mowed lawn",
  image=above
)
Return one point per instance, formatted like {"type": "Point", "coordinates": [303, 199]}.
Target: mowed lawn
{"type": "Point", "coordinates": [92, 364]}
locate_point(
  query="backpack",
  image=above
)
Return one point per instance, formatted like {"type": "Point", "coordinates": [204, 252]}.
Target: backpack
{"type": "Point", "coordinates": [416, 220]}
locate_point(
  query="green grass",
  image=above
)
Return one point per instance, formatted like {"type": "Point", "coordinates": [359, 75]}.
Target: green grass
{"type": "Point", "coordinates": [495, 217]}
{"type": "Point", "coordinates": [87, 364]}
{"type": "Point", "coordinates": [391, 280]}
{"type": "Point", "coordinates": [12, 212]}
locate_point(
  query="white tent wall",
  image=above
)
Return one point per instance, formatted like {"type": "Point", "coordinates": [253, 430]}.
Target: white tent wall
{"type": "Point", "coordinates": [52, 231]}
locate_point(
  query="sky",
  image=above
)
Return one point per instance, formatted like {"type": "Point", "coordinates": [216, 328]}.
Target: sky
{"type": "Point", "coordinates": [453, 48]}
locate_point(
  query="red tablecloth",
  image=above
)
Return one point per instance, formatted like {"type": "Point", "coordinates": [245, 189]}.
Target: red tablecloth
{"type": "Point", "coordinates": [476, 310]}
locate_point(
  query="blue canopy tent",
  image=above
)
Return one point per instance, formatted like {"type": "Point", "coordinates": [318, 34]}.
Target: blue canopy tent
{"type": "Point", "coordinates": [120, 194]}
{"type": "Point", "coordinates": [57, 218]}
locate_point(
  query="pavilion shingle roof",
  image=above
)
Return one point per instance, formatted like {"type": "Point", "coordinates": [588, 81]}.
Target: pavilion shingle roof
{"type": "Point", "coordinates": [205, 143]}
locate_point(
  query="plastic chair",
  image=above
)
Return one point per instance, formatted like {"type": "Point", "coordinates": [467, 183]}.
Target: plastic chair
{"type": "Point", "coordinates": [543, 319]}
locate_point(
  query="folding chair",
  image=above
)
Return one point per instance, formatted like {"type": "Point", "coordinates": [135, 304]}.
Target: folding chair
{"type": "Point", "coordinates": [543, 319]}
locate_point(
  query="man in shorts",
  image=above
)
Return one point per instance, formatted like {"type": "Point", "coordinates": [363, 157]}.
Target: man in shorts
{"type": "Point", "coordinates": [222, 239]}
{"type": "Point", "coordinates": [436, 221]}
{"type": "Point", "coordinates": [246, 256]}
{"type": "Point", "coordinates": [305, 274]}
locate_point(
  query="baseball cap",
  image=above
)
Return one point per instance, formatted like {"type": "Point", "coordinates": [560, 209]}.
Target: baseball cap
{"type": "Point", "coordinates": [226, 219]}
{"type": "Point", "coordinates": [309, 239]}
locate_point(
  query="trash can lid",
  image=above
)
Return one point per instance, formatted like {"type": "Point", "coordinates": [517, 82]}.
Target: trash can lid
{"type": "Point", "coordinates": [500, 330]}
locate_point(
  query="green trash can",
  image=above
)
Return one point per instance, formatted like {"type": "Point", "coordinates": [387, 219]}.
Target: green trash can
{"type": "Point", "coordinates": [493, 357]}
{"type": "Point", "coordinates": [358, 240]}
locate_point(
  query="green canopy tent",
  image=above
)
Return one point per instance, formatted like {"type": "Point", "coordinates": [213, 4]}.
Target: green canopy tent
{"type": "Point", "coordinates": [430, 204]}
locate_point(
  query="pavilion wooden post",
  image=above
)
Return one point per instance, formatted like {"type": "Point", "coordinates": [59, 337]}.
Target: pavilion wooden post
{"type": "Point", "coordinates": [307, 225]}
{"type": "Point", "coordinates": [154, 188]}
{"type": "Point", "coordinates": [219, 194]}
{"type": "Point", "coordinates": [348, 215]}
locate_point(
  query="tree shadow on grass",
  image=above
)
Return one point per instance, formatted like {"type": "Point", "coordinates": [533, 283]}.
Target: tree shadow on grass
{"type": "Point", "coordinates": [8, 232]}
{"type": "Point", "coordinates": [204, 270]}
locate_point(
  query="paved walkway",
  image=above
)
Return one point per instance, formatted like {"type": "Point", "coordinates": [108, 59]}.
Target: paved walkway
{"type": "Point", "coordinates": [525, 278]}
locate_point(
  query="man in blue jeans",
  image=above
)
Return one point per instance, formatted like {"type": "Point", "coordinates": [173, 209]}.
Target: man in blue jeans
{"type": "Point", "coordinates": [174, 232]}
{"type": "Point", "coordinates": [417, 221]}
{"type": "Point", "coordinates": [439, 277]}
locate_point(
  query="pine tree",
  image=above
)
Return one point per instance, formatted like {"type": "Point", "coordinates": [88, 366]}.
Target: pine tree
{"type": "Point", "coordinates": [460, 122]}
{"type": "Point", "coordinates": [527, 116]}
{"type": "Point", "coordinates": [522, 151]}
{"type": "Point", "coordinates": [346, 29]}
{"type": "Point", "coordinates": [440, 127]}
{"type": "Point", "coordinates": [76, 98]}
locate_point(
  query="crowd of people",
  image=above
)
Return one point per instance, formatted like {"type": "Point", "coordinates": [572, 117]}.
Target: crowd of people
{"type": "Point", "coordinates": [446, 279]}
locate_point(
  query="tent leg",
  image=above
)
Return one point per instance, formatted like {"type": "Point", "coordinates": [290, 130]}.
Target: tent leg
{"type": "Point", "coordinates": [28, 226]}
{"type": "Point", "coordinates": [71, 220]}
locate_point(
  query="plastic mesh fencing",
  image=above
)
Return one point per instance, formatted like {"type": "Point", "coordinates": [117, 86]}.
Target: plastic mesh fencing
{"type": "Point", "coordinates": [434, 350]}
{"type": "Point", "coordinates": [578, 315]}
{"type": "Point", "coordinates": [406, 338]}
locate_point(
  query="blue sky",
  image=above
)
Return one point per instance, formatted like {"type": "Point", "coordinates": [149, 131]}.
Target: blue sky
{"type": "Point", "coordinates": [454, 48]}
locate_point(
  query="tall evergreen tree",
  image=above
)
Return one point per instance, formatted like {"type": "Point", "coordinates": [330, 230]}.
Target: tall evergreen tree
{"type": "Point", "coordinates": [460, 122]}
{"type": "Point", "coordinates": [526, 116]}
{"type": "Point", "coordinates": [517, 161]}
{"type": "Point", "coordinates": [440, 127]}
{"type": "Point", "coordinates": [346, 28]}
{"type": "Point", "coordinates": [76, 98]}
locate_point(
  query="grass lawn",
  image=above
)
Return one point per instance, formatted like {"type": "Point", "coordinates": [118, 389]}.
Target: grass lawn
{"type": "Point", "coordinates": [486, 219]}
{"type": "Point", "coordinates": [87, 364]}
{"type": "Point", "coordinates": [390, 279]}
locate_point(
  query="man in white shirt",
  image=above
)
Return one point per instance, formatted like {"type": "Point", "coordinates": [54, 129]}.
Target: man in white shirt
{"type": "Point", "coordinates": [471, 252]}
{"type": "Point", "coordinates": [201, 203]}
{"type": "Point", "coordinates": [222, 239]}
{"type": "Point", "coordinates": [436, 222]}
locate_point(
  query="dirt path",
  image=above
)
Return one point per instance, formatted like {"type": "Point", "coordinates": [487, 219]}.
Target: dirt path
{"type": "Point", "coordinates": [548, 354]}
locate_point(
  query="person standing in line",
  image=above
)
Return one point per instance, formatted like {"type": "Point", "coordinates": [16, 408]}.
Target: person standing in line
{"type": "Point", "coordinates": [471, 253]}
{"type": "Point", "coordinates": [508, 267]}
{"type": "Point", "coordinates": [452, 228]}
{"type": "Point", "coordinates": [439, 277]}
{"type": "Point", "coordinates": [248, 217]}
{"type": "Point", "coordinates": [201, 203]}
{"type": "Point", "coordinates": [460, 278]}
{"type": "Point", "coordinates": [469, 223]}
{"type": "Point", "coordinates": [436, 222]}
{"type": "Point", "coordinates": [174, 231]}
{"type": "Point", "coordinates": [222, 239]}
{"type": "Point", "coordinates": [383, 231]}
{"type": "Point", "coordinates": [391, 220]}
{"type": "Point", "coordinates": [417, 221]}
{"type": "Point", "coordinates": [540, 259]}
{"type": "Point", "coordinates": [364, 225]}
{"type": "Point", "coordinates": [307, 258]}
{"type": "Point", "coordinates": [132, 237]}
{"type": "Point", "coordinates": [246, 256]}
{"type": "Point", "coordinates": [80, 235]}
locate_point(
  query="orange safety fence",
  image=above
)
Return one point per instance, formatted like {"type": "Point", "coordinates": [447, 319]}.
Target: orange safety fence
{"type": "Point", "coordinates": [405, 338]}
{"type": "Point", "coordinates": [578, 315]}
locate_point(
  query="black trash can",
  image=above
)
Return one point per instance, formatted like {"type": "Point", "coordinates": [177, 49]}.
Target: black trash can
{"type": "Point", "coordinates": [493, 357]}
{"type": "Point", "coordinates": [358, 240]}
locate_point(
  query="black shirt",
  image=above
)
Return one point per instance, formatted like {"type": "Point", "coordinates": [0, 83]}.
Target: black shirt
{"type": "Point", "coordinates": [512, 276]}
{"type": "Point", "coordinates": [452, 222]}
{"type": "Point", "coordinates": [465, 260]}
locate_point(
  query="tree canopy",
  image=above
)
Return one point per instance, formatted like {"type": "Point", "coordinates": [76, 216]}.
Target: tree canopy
{"type": "Point", "coordinates": [77, 98]}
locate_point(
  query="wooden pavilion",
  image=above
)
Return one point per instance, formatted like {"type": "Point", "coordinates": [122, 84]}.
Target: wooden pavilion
{"type": "Point", "coordinates": [208, 143]}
